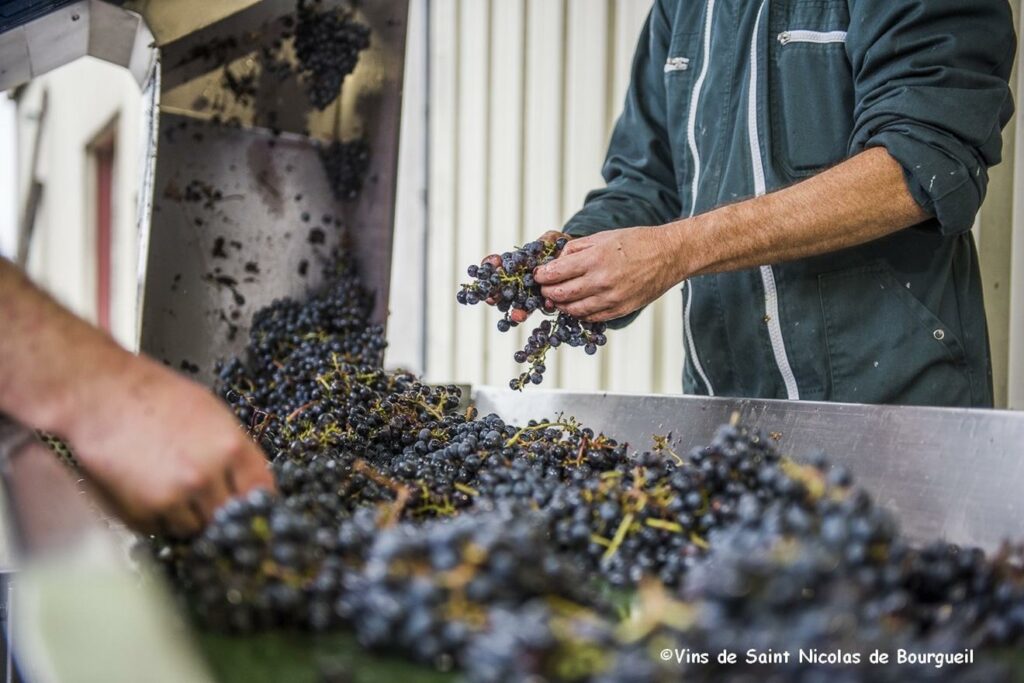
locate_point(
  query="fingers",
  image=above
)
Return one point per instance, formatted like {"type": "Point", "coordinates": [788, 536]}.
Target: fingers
{"type": "Point", "coordinates": [587, 309]}
{"type": "Point", "coordinates": [607, 315]}
{"type": "Point", "coordinates": [578, 245]}
{"type": "Point", "coordinates": [577, 289]}
{"type": "Point", "coordinates": [214, 493]}
{"type": "Point", "coordinates": [249, 470]}
{"type": "Point", "coordinates": [129, 512]}
{"type": "Point", "coordinates": [195, 502]}
{"type": "Point", "coordinates": [181, 520]}
{"type": "Point", "coordinates": [564, 268]}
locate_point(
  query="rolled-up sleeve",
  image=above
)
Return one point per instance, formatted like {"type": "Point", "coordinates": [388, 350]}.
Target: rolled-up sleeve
{"type": "Point", "coordinates": [638, 170]}
{"type": "Point", "coordinates": [931, 81]}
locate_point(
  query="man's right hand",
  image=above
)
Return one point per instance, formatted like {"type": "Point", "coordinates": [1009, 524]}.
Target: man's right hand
{"type": "Point", "coordinates": [164, 451]}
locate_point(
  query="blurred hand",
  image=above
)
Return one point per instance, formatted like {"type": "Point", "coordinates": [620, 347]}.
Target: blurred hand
{"type": "Point", "coordinates": [164, 451]}
{"type": "Point", "coordinates": [611, 274]}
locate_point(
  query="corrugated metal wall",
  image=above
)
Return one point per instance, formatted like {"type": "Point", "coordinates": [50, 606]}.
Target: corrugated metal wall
{"type": "Point", "coordinates": [509, 104]}
{"type": "Point", "coordinates": [522, 98]}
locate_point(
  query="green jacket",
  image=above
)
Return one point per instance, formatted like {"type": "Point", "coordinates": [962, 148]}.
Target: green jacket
{"type": "Point", "coordinates": [734, 98]}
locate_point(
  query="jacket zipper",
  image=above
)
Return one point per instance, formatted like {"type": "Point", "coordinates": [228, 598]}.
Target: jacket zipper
{"type": "Point", "coordinates": [771, 295]}
{"type": "Point", "coordinates": [816, 37]}
{"type": "Point", "coordinates": [691, 348]}
{"type": "Point", "coordinates": [691, 136]}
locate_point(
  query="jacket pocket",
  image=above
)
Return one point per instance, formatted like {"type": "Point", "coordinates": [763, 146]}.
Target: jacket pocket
{"type": "Point", "coordinates": [811, 91]}
{"type": "Point", "coordinates": [885, 346]}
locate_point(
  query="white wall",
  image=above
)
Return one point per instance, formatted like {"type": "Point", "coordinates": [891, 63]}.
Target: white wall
{"type": "Point", "coordinates": [8, 176]}
{"type": "Point", "coordinates": [522, 98]}
{"type": "Point", "coordinates": [83, 98]}
{"type": "Point", "coordinates": [406, 331]}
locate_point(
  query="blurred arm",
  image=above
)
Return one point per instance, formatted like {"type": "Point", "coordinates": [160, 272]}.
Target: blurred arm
{"type": "Point", "coordinates": [163, 449]}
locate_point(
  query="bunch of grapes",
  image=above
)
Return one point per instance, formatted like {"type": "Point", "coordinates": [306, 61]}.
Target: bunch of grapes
{"type": "Point", "coordinates": [508, 282]}
{"type": "Point", "coordinates": [461, 540]}
{"type": "Point", "coordinates": [328, 43]}
{"type": "Point", "coordinates": [261, 564]}
{"type": "Point", "coordinates": [442, 579]}
{"type": "Point", "coordinates": [346, 164]}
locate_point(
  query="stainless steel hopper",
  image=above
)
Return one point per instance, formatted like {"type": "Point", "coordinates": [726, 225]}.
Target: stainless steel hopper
{"type": "Point", "coordinates": [242, 210]}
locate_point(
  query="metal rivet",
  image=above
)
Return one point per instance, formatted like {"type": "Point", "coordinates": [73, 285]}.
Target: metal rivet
{"type": "Point", "coordinates": [939, 335]}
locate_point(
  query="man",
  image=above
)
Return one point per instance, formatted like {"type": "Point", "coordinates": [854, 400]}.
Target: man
{"type": "Point", "coordinates": [828, 158]}
{"type": "Point", "coordinates": [163, 449]}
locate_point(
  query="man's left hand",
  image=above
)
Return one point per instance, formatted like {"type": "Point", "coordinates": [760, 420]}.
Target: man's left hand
{"type": "Point", "coordinates": [612, 274]}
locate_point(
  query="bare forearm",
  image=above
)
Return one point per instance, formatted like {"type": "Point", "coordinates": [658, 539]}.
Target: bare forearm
{"type": "Point", "coordinates": [860, 200]}
{"type": "Point", "coordinates": [44, 350]}
{"type": "Point", "coordinates": [164, 450]}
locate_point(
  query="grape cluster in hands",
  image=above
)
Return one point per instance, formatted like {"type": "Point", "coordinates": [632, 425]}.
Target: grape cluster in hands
{"type": "Point", "coordinates": [508, 282]}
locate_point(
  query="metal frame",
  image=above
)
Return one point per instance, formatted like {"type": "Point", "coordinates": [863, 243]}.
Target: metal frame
{"type": "Point", "coordinates": [88, 27]}
{"type": "Point", "coordinates": [198, 297]}
{"type": "Point", "coordinates": [946, 473]}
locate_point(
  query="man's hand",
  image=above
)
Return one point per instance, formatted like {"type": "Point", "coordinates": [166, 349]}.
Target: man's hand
{"type": "Point", "coordinates": [163, 449]}
{"type": "Point", "coordinates": [611, 274]}
{"type": "Point", "coordinates": [165, 452]}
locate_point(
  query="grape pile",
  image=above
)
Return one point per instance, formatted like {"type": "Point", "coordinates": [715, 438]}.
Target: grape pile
{"type": "Point", "coordinates": [507, 280]}
{"type": "Point", "coordinates": [506, 551]}
{"type": "Point", "coordinates": [346, 164]}
{"type": "Point", "coordinates": [327, 44]}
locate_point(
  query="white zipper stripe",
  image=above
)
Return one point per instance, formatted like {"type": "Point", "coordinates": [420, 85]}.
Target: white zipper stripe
{"type": "Point", "coordinates": [817, 37]}
{"type": "Point", "coordinates": [771, 309]}
{"type": "Point", "coordinates": [691, 347]}
{"type": "Point", "coordinates": [771, 295]}
{"type": "Point", "coordinates": [753, 135]}
{"type": "Point", "coordinates": [691, 126]}
{"type": "Point", "coordinates": [691, 136]}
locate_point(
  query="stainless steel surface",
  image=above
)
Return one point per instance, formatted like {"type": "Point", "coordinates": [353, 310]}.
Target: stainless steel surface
{"type": "Point", "coordinates": [90, 27]}
{"type": "Point", "coordinates": [952, 474]}
{"type": "Point", "coordinates": [172, 20]}
{"type": "Point", "coordinates": [78, 599]}
{"type": "Point", "coordinates": [42, 507]}
{"type": "Point", "coordinates": [193, 313]}
{"type": "Point", "coordinates": [146, 183]}
{"type": "Point", "coordinates": [370, 102]}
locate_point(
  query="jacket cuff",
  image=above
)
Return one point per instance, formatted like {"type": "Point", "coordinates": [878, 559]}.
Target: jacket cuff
{"type": "Point", "coordinates": [597, 217]}
{"type": "Point", "coordinates": [576, 228]}
{"type": "Point", "coordinates": [941, 185]}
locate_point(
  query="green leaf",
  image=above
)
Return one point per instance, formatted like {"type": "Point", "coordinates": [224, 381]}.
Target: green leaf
{"type": "Point", "coordinates": [297, 657]}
